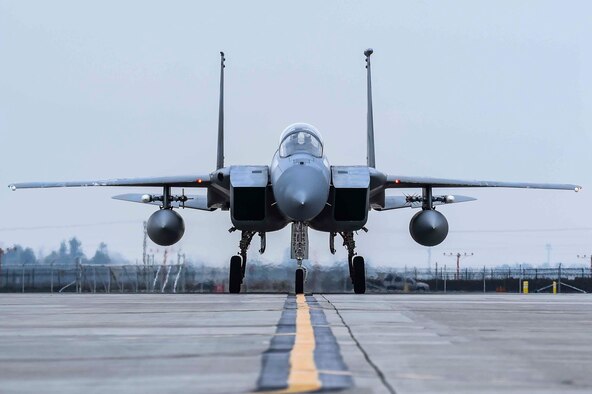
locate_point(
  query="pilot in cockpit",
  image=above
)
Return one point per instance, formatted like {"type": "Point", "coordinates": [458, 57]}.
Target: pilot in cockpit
{"type": "Point", "coordinates": [307, 145]}
{"type": "Point", "coordinates": [301, 141]}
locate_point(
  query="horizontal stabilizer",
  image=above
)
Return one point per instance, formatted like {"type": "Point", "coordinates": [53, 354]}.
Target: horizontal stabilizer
{"type": "Point", "coordinates": [396, 202]}
{"type": "Point", "coordinates": [193, 202]}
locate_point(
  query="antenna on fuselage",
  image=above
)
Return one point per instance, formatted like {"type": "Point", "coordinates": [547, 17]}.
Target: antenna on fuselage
{"type": "Point", "coordinates": [220, 159]}
{"type": "Point", "coordinates": [370, 158]}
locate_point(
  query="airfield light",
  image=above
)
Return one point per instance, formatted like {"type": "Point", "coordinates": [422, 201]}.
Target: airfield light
{"type": "Point", "coordinates": [459, 256]}
{"type": "Point", "coordinates": [397, 181]}
{"type": "Point", "coordinates": [199, 180]}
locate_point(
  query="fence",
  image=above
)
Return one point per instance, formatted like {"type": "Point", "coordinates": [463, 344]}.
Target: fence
{"type": "Point", "coordinates": [106, 278]}
{"type": "Point", "coordinates": [505, 279]}
{"type": "Point", "coordinates": [187, 278]}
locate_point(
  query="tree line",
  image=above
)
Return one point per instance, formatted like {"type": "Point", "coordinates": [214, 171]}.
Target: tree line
{"type": "Point", "coordinates": [69, 253]}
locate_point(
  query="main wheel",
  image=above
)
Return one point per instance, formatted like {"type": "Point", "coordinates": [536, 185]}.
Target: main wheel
{"type": "Point", "coordinates": [359, 277]}
{"type": "Point", "coordinates": [299, 281]}
{"type": "Point", "coordinates": [235, 276]}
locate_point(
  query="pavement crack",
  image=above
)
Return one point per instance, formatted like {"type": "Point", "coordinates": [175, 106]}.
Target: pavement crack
{"type": "Point", "coordinates": [379, 373]}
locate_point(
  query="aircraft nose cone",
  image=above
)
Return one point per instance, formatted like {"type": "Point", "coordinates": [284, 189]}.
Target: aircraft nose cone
{"type": "Point", "coordinates": [300, 199]}
{"type": "Point", "coordinates": [301, 192]}
{"type": "Point", "coordinates": [300, 206]}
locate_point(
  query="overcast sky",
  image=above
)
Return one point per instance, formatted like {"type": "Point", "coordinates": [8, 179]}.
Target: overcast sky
{"type": "Point", "coordinates": [462, 89]}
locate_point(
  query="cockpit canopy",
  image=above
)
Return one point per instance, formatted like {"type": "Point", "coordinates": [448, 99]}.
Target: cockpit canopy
{"type": "Point", "coordinates": [301, 138]}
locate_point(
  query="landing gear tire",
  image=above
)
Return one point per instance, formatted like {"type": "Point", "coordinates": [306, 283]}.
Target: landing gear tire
{"type": "Point", "coordinates": [359, 275]}
{"type": "Point", "coordinates": [299, 281]}
{"type": "Point", "coordinates": [235, 277]}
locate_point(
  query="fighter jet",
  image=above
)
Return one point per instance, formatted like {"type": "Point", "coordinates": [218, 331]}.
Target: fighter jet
{"type": "Point", "coordinates": [299, 188]}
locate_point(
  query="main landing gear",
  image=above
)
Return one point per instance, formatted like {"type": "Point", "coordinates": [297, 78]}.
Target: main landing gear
{"type": "Point", "coordinates": [235, 278]}
{"type": "Point", "coordinates": [358, 276]}
{"type": "Point", "coordinates": [238, 263]}
{"type": "Point", "coordinates": [357, 268]}
{"type": "Point", "coordinates": [299, 252]}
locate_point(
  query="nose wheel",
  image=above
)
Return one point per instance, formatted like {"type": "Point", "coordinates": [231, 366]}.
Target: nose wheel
{"type": "Point", "coordinates": [299, 281]}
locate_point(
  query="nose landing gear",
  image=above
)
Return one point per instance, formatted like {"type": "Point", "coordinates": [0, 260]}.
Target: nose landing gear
{"type": "Point", "coordinates": [299, 252]}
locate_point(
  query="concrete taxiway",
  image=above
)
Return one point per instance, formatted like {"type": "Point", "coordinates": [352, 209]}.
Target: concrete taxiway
{"type": "Point", "coordinates": [97, 343]}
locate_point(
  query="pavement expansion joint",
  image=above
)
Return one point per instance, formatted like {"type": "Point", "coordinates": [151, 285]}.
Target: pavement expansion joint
{"type": "Point", "coordinates": [380, 374]}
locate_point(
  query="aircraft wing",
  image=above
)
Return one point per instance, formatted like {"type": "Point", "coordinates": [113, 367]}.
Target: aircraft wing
{"type": "Point", "coordinates": [172, 181]}
{"type": "Point", "coordinates": [396, 181]}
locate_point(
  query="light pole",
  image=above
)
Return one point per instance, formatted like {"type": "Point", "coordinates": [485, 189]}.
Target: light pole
{"type": "Point", "coordinates": [145, 243]}
{"type": "Point", "coordinates": [458, 256]}
{"type": "Point", "coordinates": [585, 256]}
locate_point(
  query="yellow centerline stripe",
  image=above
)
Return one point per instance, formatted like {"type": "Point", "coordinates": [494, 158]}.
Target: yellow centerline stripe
{"type": "Point", "coordinates": [304, 375]}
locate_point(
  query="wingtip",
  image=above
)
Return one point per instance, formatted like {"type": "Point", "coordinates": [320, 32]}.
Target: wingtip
{"type": "Point", "coordinates": [578, 188]}
{"type": "Point", "coordinates": [12, 187]}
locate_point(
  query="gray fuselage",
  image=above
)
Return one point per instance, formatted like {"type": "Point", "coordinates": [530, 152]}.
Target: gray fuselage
{"type": "Point", "coordinates": [300, 173]}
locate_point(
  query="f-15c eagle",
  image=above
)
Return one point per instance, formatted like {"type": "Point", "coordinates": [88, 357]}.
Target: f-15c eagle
{"type": "Point", "coordinates": [300, 188]}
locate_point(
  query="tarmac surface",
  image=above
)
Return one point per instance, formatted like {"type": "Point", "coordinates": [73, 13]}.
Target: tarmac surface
{"type": "Point", "coordinates": [221, 343]}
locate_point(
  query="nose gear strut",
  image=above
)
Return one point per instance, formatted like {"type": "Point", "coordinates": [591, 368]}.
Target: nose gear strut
{"type": "Point", "coordinates": [299, 252]}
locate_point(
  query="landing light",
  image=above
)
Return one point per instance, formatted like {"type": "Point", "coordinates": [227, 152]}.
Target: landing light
{"type": "Point", "coordinates": [12, 187]}
{"type": "Point", "coordinates": [577, 188]}
{"type": "Point", "coordinates": [146, 198]}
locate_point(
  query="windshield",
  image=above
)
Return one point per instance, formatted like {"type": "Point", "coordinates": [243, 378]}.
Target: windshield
{"type": "Point", "coordinates": [301, 142]}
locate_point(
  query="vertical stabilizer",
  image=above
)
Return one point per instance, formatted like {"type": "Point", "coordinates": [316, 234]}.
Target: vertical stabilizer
{"type": "Point", "coordinates": [370, 117]}
{"type": "Point", "coordinates": [220, 159]}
